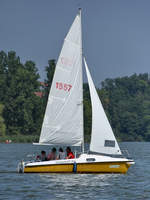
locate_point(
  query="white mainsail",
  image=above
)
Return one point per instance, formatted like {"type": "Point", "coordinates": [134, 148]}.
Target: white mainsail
{"type": "Point", "coordinates": [63, 120]}
{"type": "Point", "coordinates": [102, 137]}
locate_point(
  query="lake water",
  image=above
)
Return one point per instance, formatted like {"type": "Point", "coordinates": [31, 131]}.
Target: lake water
{"type": "Point", "coordinates": [133, 185]}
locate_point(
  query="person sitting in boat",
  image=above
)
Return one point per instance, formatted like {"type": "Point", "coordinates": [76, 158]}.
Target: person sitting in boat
{"type": "Point", "coordinates": [70, 155]}
{"type": "Point", "coordinates": [52, 154]}
{"type": "Point", "coordinates": [61, 154]}
{"type": "Point", "coordinates": [41, 157]}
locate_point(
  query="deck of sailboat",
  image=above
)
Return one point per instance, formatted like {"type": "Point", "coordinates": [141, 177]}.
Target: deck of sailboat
{"type": "Point", "coordinates": [84, 164]}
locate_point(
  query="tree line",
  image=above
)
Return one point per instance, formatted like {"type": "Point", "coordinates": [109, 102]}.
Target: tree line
{"type": "Point", "coordinates": [126, 101]}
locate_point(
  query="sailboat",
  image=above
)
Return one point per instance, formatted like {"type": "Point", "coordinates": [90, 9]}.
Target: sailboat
{"type": "Point", "coordinates": [63, 120]}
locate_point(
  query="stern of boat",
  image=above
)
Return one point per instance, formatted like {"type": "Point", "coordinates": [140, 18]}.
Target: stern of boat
{"type": "Point", "coordinates": [21, 167]}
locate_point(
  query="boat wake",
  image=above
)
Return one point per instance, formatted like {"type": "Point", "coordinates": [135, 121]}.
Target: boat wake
{"type": "Point", "coordinates": [8, 172]}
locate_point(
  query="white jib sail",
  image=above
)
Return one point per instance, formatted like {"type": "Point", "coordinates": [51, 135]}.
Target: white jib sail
{"type": "Point", "coordinates": [63, 120]}
{"type": "Point", "coordinates": [102, 137]}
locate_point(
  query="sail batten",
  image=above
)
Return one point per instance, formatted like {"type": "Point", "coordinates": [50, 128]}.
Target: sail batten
{"type": "Point", "coordinates": [63, 113]}
{"type": "Point", "coordinates": [102, 137]}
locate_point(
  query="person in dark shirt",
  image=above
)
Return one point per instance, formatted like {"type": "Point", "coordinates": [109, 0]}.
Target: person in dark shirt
{"type": "Point", "coordinates": [70, 155]}
{"type": "Point", "coordinates": [41, 157]}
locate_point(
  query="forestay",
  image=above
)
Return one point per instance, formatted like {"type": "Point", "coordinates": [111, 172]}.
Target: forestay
{"type": "Point", "coordinates": [102, 137]}
{"type": "Point", "coordinates": [63, 120]}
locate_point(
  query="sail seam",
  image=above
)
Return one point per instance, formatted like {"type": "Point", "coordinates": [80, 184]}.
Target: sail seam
{"type": "Point", "coordinates": [75, 44]}
{"type": "Point", "coordinates": [61, 68]}
{"type": "Point", "coordinates": [58, 98]}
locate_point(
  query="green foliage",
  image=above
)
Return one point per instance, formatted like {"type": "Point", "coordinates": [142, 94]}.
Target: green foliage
{"type": "Point", "coordinates": [50, 69]}
{"type": "Point", "coordinates": [128, 106]}
{"type": "Point", "coordinates": [20, 138]}
{"type": "Point", "coordinates": [126, 102]}
{"type": "Point", "coordinates": [22, 108]}
{"type": "Point", "coordinates": [21, 111]}
{"type": "Point", "coordinates": [2, 124]}
{"type": "Point", "coordinates": [87, 112]}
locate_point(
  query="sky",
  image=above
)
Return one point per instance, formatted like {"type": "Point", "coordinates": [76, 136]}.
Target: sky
{"type": "Point", "coordinates": [116, 33]}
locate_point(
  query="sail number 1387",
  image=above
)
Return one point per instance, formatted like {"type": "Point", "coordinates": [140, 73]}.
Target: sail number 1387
{"type": "Point", "coordinates": [63, 86]}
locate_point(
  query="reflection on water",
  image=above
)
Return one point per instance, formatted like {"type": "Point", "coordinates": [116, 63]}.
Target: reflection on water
{"type": "Point", "coordinates": [134, 185]}
{"type": "Point", "coordinates": [74, 180]}
{"type": "Point", "coordinates": [73, 186]}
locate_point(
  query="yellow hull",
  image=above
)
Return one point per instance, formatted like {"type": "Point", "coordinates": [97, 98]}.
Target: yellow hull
{"type": "Point", "coordinates": [65, 168]}
{"type": "Point", "coordinates": [111, 167]}
{"type": "Point", "coordinates": [100, 167]}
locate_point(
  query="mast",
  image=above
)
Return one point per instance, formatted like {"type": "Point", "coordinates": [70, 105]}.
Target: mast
{"type": "Point", "coordinates": [82, 77]}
